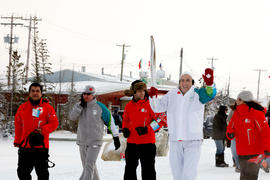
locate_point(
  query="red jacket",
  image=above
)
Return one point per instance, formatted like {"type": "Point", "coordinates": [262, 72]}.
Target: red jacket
{"type": "Point", "coordinates": [250, 130]}
{"type": "Point", "coordinates": [139, 114]}
{"type": "Point", "coordinates": [25, 122]}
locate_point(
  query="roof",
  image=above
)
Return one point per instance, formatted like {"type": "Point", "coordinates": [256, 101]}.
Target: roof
{"type": "Point", "coordinates": [102, 87]}
{"type": "Point", "coordinates": [105, 83]}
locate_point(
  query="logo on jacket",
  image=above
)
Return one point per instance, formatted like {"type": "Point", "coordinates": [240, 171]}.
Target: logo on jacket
{"type": "Point", "coordinates": [94, 112]}
{"type": "Point", "coordinates": [36, 112]}
{"type": "Point", "coordinates": [143, 110]}
{"type": "Point", "coordinates": [40, 110]}
{"type": "Point", "coordinates": [247, 121]}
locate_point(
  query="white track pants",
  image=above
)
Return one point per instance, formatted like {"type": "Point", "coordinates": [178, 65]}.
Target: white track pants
{"type": "Point", "coordinates": [184, 159]}
{"type": "Point", "coordinates": [89, 156]}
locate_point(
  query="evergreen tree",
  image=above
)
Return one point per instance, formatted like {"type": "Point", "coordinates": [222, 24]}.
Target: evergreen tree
{"type": "Point", "coordinates": [211, 108]}
{"type": "Point", "coordinates": [17, 82]}
{"type": "Point", "coordinates": [36, 71]}
{"type": "Point", "coordinates": [73, 97]}
{"type": "Point", "coordinates": [41, 67]}
{"type": "Point", "coordinates": [3, 116]}
{"type": "Point", "coordinates": [16, 95]}
{"type": "Point", "coordinates": [46, 66]}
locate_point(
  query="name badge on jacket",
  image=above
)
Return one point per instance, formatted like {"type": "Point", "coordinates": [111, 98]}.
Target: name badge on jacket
{"type": "Point", "coordinates": [35, 112]}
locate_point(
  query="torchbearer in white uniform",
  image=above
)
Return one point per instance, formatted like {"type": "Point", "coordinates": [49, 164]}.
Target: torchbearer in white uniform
{"type": "Point", "coordinates": [185, 109]}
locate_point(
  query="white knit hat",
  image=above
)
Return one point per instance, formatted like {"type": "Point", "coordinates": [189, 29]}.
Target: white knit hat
{"type": "Point", "coordinates": [186, 73]}
{"type": "Point", "coordinates": [90, 89]}
{"type": "Point", "coordinates": [245, 96]}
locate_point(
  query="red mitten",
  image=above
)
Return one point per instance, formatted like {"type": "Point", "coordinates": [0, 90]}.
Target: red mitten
{"type": "Point", "coordinates": [208, 76]}
{"type": "Point", "coordinates": [153, 92]}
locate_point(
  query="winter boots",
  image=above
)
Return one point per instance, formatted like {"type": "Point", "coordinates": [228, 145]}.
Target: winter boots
{"type": "Point", "coordinates": [220, 161]}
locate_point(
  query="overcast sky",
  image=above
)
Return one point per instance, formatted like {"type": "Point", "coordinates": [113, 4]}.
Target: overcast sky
{"type": "Point", "coordinates": [86, 32]}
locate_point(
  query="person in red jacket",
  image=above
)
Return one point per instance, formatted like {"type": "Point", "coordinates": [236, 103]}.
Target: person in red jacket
{"type": "Point", "coordinates": [34, 121]}
{"type": "Point", "coordinates": [137, 118]}
{"type": "Point", "coordinates": [249, 128]}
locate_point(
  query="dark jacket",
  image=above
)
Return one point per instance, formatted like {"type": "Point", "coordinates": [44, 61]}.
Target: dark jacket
{"type": "Point", "coordinates": [219, 126]}
{"type": "Point", "coordinates": [117, 119]}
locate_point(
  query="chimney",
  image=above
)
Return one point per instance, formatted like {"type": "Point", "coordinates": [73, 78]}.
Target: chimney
{"type": "Point", "coordinates": [102, 71]}
{"type": "Point", "coordinates": [130, 74]}
{"type": "Point", "coordinates": [169, 78]}
{"type": "Point", "coordinates": [83, 68]}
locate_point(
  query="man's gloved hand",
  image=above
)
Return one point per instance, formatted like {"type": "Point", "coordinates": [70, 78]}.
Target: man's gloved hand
{"type": "Point", "coordinates": [153, 92]}
{"type": "Point", "coordinates": [83, 102]}
{"type": "Point", "coordinates": [228, 142]}
{"type": "Point", "coordinates": [126, 132]}
{"type": "Point", "coordinates": [208, 76]}
{"type": "Point", "coordinates": [16, 144]}
{"type": "Point", "coordinates": [141, 130]}
{"type": "Point", "coordinates": [230, 135]}
{"type": "Point", "coordinates": [116, 142]}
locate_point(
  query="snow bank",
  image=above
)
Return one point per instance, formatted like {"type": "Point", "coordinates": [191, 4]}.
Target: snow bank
{"type": "Point", "coordinates": [68, 165]}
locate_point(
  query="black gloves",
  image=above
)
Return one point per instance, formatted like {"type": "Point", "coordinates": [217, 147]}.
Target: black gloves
{"type": "Point", "coordinates": [36, 139]}
{"type": "Point", "coordinates": [141, 130]}
{"type": "Point", "coordinates": [83, 103]}
{"type": "Point", "coordinates": [116, 142]}
{"type": "Point", "coordinates": [16, 144]}
{"type": "Point", "coordinates": [228, 143]}
{"type": "Point", "coordinates": [267, 153]}
{"type": "Point", "coordinates": [126, 132]}
{"type": "Point", "coordinates": [230, 135]}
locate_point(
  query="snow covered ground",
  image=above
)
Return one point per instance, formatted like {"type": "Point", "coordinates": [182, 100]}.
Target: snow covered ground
{"type": "Point", "coordinates": [68, 166]}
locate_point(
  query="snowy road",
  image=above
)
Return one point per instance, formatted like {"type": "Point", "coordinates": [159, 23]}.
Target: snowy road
{"type": "Point", "coordinates": [68, 165]}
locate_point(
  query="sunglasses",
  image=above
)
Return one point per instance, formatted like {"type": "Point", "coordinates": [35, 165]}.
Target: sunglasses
{"type": "Point", "coordinates": [88, 94]}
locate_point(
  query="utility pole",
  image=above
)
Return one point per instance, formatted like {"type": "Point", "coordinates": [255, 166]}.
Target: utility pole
{"type": "Point", "coordinates": [11, 24]}
{"type": "Point", "coordinates": [29, 42]}
{"type": "Point", "coordinates": [181, 61]}
{"type": "Point", "coordinates": [59, 94]}
{"type": "Point", "coordinates": [123, 58]}
{"type": "Point", "coordinates": [258, 88]}
{"type": "Point", "coordinates": [228, 90]}
{"type": "Point", "coordinates": [212, 61]}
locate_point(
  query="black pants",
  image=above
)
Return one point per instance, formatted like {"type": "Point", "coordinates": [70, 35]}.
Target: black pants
{"type": "Point", "coordinates": [249, 170]}
{"type": "Point", "coordinates": [30, 158]}
{"type": "Point", "coordinates": [146, 154]}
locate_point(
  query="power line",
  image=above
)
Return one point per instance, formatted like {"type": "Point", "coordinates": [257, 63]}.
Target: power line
{"type": "Point", "coordinates": [11, 24]}
{"type": "Point", "coordinates": [30, 27]}
{"type": "Point", "coordinates": [212, 61]}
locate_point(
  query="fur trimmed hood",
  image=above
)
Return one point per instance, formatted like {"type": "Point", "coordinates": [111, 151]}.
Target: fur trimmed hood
{"type": "Point", "coordinates": [135, 85]}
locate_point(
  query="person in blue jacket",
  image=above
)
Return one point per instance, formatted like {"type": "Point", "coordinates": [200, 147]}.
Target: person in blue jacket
{"type": "Point", "coordinates": [92, 115]}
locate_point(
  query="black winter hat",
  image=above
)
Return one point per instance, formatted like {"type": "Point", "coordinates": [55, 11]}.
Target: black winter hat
{"type": "Point", "coordinates": [222, 109]}
{"type": "Point", "coordinates": [135, 85]}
